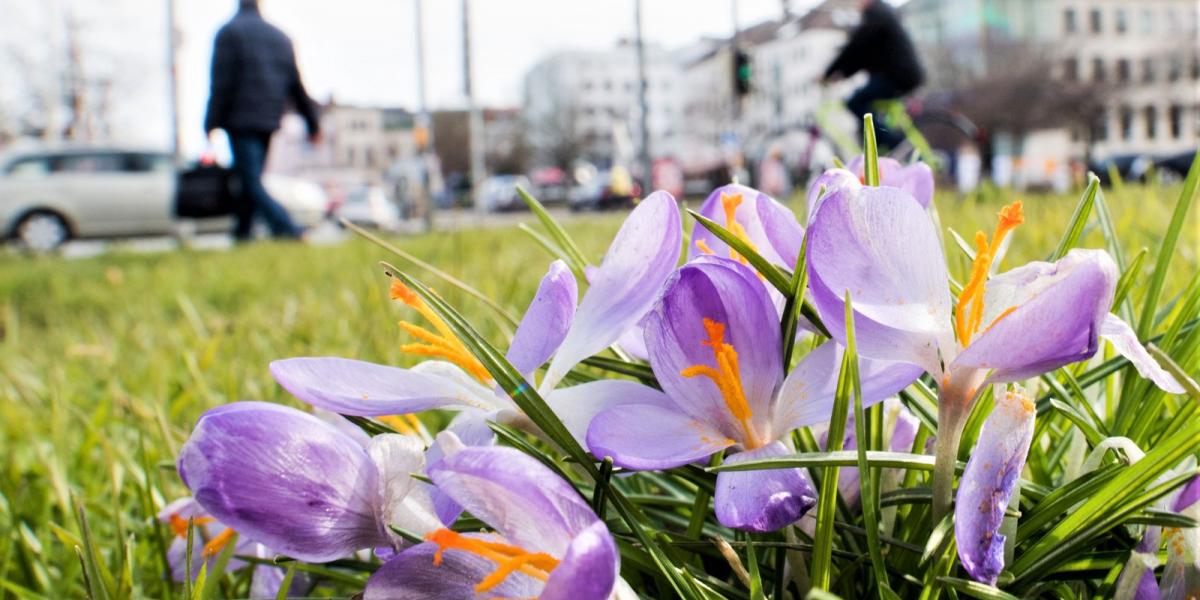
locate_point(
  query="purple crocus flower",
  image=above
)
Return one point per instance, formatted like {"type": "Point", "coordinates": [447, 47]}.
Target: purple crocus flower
{"type": "Point", "coordinates": [547, 544]}
{"type": "Point", "coordinates": [916, 179]}
{"type": "Point", "coordinates": [756, 218]}
{"type": "Point", "coordinates": [879, 244]}
{"type": "Point", "coordinates": [622, 290]}
{"type": "Point", "coordinates": [301, 486]}
{"type": "Point", "coordinates": [1181, 574]}
{"type": "Point", "coordinates": [715, 347]}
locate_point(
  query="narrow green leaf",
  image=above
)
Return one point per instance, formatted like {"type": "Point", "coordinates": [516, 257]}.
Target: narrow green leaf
{"type": "Point", "coordinates": [770, 272]}
{"type": "Point", "coordinates": [870, 152]}
{"type": "Point", "coordinates": [211, 587]}
{"type": "Point", "coordinates": [795, 300]}
{"type": "Point", "coordinates": [1079, 219]}
{"type": "Point", "coordinates": [574, 256]}
{"type": "Point", "coordinates": [840, 458]}
{"type": "Point", "coordinates": [866, 480]}
{"type": "Point", "coordinates": [975, 589]}
{"type": "Point", "coordinates": [1167, 251]}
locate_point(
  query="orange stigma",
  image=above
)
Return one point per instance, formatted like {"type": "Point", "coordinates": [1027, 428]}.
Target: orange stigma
{"type": "Point", "coordinates": [968, 316]}
{"type": "Point", "coordinates": [727, 378]}
{"type": "Point", "coordinates": [730, 204]}
{"type": "Point", "coordinates": [508, 559]}
{"type": "Point", "coordinates": [179, 525]}
{"type": "Point", "coordinates": [443, 344]}
{"type": "Point", "coordinates": [218, 543]}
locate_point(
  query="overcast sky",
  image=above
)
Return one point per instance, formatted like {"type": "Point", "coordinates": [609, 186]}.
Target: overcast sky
{"type": "Point", "coordinates": [358, 51]}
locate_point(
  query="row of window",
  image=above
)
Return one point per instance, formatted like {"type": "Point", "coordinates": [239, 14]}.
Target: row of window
{"type": "Point", "coordinates": [1120, 21]}
{"type": "Point", "coordinates": [1150, 122]}
{"type": "Point", "coordinates": [607, 85]}
{"type": "Point", "coordinates": [1123, 70]}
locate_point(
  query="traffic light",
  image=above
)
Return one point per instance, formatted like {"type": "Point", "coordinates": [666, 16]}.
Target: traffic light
{"type": "Point", "coordinates": [742, 71]}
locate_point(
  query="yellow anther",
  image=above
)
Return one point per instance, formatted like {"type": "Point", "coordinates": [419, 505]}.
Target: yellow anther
{"type": "Point", "coordinates": [508, 559]}
{"type": "Point", "coordinates": [217, 544]}
{"type": "Point", "coordinates": [407, 424]}
{"type": "Point", "coordinates": [443, 343]}
{"type": "Point", "coordinates": [968, 316]}
{"type": "Point", "coordinates": [730, 204]}
{"type": "Point", "coordinates": [702, 246]}
{"type": "Point", "coordinates": [728, 380]}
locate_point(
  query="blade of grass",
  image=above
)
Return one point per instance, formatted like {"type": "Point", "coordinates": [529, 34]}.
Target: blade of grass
{"type": "Point", "coordinates": [870, 152]}
{"type": "Point", "coordinates": [1079, 219]}
{"type": "Point", "coordinates": [1167, 251]}
{"type": "Point", "coordinates": [574, 256]}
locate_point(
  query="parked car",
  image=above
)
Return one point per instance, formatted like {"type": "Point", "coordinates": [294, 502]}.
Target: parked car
{"type": "Point", "coordinates": [605, 190]}
{"type": "Point", "coordinates": [369, 206]}
{"type": "Point", "coordinates": [49, 196]}
{"type": "Point", "coordinates": [500, 192]}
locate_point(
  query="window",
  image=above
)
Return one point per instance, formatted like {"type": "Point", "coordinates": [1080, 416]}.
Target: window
{"type": "Point", "coordinates": [1069, 24]}
{"type": "Point", "coordinates": [1175, 71]}
{"type": "Point", "coordinates": [1151, 116]}
{"type": "Point", "coordinates": [1148, 70]}
{"type": "Point", "coordinates": [1126, 119]}
{"type": "Point", "coordinates": [1071, 69]}
{"type": "Point", "coordinates": [1123, 71]}
{"type": "Point", "coordinates": [89, 163]}
{"type": "Point", "coordinates": [1122, 20]}
{"type": "Point", "coordinates": [1100, 126]}
{"type": "Point", "coordinates": [1175, 116]}
{"type": "Point", "coordinates": [1196, 67]}
{"type": "Point", "coordinates": [1097, 21]}
{"type": "Point", "coordinates": [1147, 21]}
{"type": "Point", "coordinates": [1098, 74]}
{"type": "Point", "coordinates": [33, 166]}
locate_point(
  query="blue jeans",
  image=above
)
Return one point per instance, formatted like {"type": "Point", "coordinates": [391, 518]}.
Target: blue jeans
{"type": "Point", "coordinates": [249, 157]}
{"type": "Point", "coordinates": [864, 101]}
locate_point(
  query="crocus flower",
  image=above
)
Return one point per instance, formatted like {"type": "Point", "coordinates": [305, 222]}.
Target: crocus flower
{"type": "Point", "coordinates": [715, 347]}
{"type": "Point", "coordinates": [757, 219]}
{"type": "Point", "coordinates": [916, 179]}
{"type": "Point", "coordinates": [301, 486]}
{"type": "Point", "coordinates": [547, 544]}
{"type": "Point", "coordinates": [988, 482]}
{"type": "Point", "coordinates": [622, 290]}
{"type": "Point", "coordinates": [210, 538]}
{"type": "Point", "coordinates": [1181, 575]}
{"type": "Point", "coordinates": [879, 244]}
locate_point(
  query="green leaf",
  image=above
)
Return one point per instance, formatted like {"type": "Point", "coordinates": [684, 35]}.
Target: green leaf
{"type": "Point", "coordinates": [1167, 251]}
{"type": "Point", "coordinates": [840, 458]}
{"type": "Point", "coordinates": [795, 300]}
{"type": "Point", "coordinates": [1078, 220]}
{"type": "Point", "coordinates": [870, 152]}
{"type": "Point", "coordinates": [866, 479]}
{"type": "Point", "coordinates": [572, 255]}
{"type": "Point", "coordinates": [770, 272]}
{"type": "Point", "coordinates": [975, 589]}
{"type": "Point", "coordinates": [212, 584]}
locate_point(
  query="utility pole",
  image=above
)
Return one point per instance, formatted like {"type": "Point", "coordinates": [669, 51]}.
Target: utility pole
{"type": "Point", "coordinates": [734, 50]}
{"type": "Point", "coordinates": [475, 123]}
{"type": "Point", "coordinates": [424, 126]}
{"type": "Point", "coordinates": [643, 105]}
{"type": "Point", "coordinates": [173, 81]}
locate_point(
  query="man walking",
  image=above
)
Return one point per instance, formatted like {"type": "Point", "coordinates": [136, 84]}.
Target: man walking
{"type": "Point", "coordinates": [254, 76]}
{"type": "Point", "coordinates": [881, 47]}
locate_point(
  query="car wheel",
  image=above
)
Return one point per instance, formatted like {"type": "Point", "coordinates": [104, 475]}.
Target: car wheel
{"type": "Point", "coordinates": [42, 231]}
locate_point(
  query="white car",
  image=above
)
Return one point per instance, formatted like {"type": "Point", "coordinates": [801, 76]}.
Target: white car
{"type": "Point", "coordinates": [369, 206]}
{"type": "Point", "coordinates": [49, 196]}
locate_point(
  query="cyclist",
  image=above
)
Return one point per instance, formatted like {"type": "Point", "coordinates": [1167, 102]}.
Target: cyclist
{"type": "Point", "coordinates": [881, 47]}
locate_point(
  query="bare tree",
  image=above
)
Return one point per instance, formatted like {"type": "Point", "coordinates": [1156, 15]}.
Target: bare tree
{"type": "Point", "coordinates": [555, 134]}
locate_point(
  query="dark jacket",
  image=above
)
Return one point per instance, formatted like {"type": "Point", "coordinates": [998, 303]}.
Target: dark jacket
{"type": "Point", "coordinates": [254, 76]}
{"type": "Point", "coordinates": [880, 46]}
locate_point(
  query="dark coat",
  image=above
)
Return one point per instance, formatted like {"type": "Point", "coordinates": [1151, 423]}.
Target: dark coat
{"type": "Point", "coordinates": [880, 46]}
{"type": "Point", "coordinates": [254, 76]}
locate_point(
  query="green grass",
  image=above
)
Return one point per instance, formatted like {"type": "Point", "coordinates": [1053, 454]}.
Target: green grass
{"type": "Point", "coordinates": [106, 362]}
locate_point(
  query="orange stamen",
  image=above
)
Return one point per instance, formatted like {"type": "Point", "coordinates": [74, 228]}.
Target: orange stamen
{"type": "Point", "coordinates": [179, 525]}
{"type": "Point", "coordinates": [702, 246]}
{"type": "Point", "coordinates": [407, 424]}
{"type": "Point", "coordinates": [728, 379]}
{"type": "Point", "coordinates": [217, 544]}
{"type": "Point", "coordinates": [443, 343]}
{"type": "Point", "coordinates": [730, 203]}
{"type": "Point", "coordinates": [968, 316]}
{"type": "Point", "coordinates": [508, 559]}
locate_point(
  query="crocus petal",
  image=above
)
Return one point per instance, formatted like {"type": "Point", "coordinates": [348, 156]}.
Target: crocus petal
{"type": "Point", "coordinates": [413, 576]}
{"type": "Point", "coordinates": [284, 478]}
{"type": "Point", "coordinates": [725, 292]}
{"type": "Point", "coordinates": [579, 404]}
{"type": "Point", "coordinates": [763, 500]}
{"type": "Point", "coordinates": [1188, 496]}
{"type": "Point", "coordinates": [1125, 341]}
{"type": "Point", "coordinates": [770, 227]}
{"type": "Point", "coordinates": [546, 321]}
{"type": "Point", "coordinates": [645, 437]}
{"type": "Point", "coordinates": [1056, 313]}
{"type": "Point", "coordinates": [588, 570]}
{"type": "Point", "coordinates": [355, 387]}
{"type": "Point", "coordinates": [916, 179]}
{"type": "Point", "coordinates": [521, 498]}
{"type": "Point", "coordinates": [626, 284]}
{"type": "Point", "coordinates": [404, 501]}
{"type": "Point", "coordinates": [879, 245]}
{"type": "Point", "coordinates": [987, 485]}
{"type": "Point", "coordinates": [807, 395]}
{"type": "Point", "coordinates": [827, 184]}
{"type": "Point", "coordinates": [469, 429]}
{"type": "Point", "coordinates": [633, 342]}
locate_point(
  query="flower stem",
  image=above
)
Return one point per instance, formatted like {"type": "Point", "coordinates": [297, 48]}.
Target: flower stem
{"type": "Point", "coordinates": [954, 404]}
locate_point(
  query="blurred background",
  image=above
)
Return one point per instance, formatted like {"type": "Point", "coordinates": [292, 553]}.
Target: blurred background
{"type": "Point", "coordinates": [437, 106]}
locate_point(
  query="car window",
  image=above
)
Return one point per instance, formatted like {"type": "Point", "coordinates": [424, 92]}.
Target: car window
{"type": "Point", "coordinates": [88, 163]}
{"type": "Point", "coordinates": [33, 166]}
{"type": "Point", "coordinates": [142, 162]}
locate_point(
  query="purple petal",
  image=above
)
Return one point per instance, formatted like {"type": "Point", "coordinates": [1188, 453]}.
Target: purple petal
{"type": "Point", "coordinates": [355, 387]}
{"type": "Point", "coordinates": [633, 342]}
{"type": "Point", "coordinates": [579, 404]}
{"type": "Point", "coordinates": [1188, 496]}
{"type": "Point", "coordinates": [1058, 311]}
{"type": "Point", "coordinates": [284, 478]}
{"type": "Point", "coordinates": [647, 437]}
{"type": "Point", "coordinates": [471, 429]}
{"type": "Point", "coordinates": [765, 500]}
{"type": "Point", "coordinates": [413, 576]}
{"type": "Point", "coordinates": [916, 178]}
{"type": "Point", "coordinates": [807, 395]}
{"type": "Point", "coordinates": [987, 485]}
{"type": "Point", "coordinates": [881, 246]}
{"type": "Point", "coordinates": [770, 227]}
{"type": "Point", "coordinates": [725, 292]}
{"type": "Point", "coordinates": [524, 501]}
{"type": "Point", "coordinates": [1125, 341]}
{"type": "Point", "coordinates": [546, 321]}
{"type": "Point", "coordinates": [589, 569]}
{"type": "Point", "coordinates": [1147, 588]}
{"type": "Point", "coordinates": [828, 183]}
{"type": "Point", "coordinates": [404, 501]}
{"type": "Point", "coordinates": [626, 285]}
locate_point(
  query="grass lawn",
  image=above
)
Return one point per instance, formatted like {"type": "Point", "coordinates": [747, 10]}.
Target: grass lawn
{"type": "Point", "coordinates": [106, 362]}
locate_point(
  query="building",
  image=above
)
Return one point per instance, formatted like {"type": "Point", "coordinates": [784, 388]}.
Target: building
{"type": "Point", "coordinates": [358, 143]}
